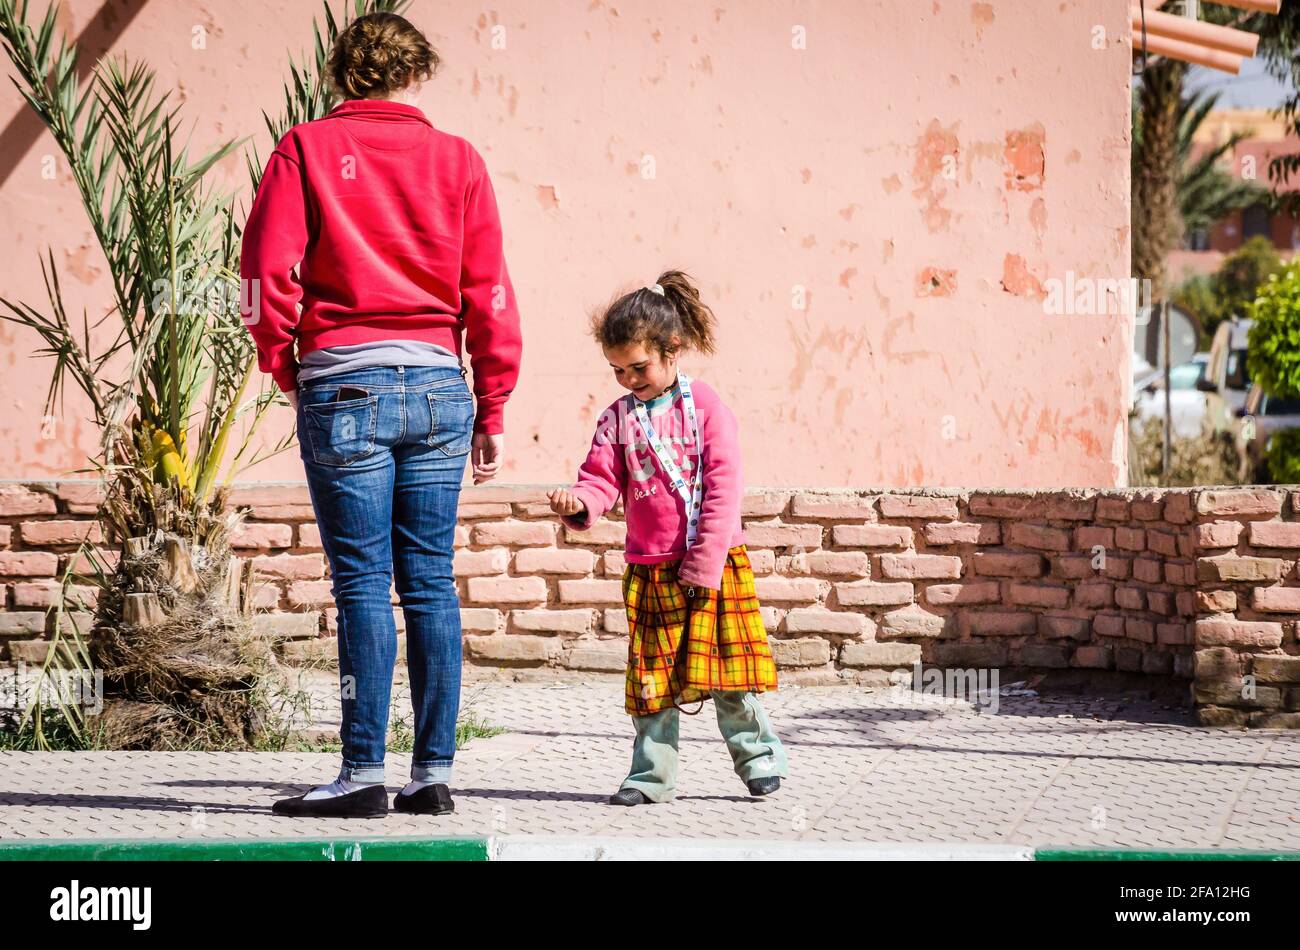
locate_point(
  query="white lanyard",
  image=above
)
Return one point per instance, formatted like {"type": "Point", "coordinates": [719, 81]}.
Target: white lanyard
{"type": "Point", "coordinates": [689, 494]}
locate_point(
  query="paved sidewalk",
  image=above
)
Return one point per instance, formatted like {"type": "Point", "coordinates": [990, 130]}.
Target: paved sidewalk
{"type": "Point", "coordinates": [1042, 771]}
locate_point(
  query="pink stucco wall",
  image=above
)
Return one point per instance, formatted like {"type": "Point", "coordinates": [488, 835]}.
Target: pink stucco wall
{"type": "Point", "coordinates": [915, 177]}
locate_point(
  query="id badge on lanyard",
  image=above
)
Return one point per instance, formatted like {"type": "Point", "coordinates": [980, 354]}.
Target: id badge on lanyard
{"type": "Point", "coordinates": [692, 493]}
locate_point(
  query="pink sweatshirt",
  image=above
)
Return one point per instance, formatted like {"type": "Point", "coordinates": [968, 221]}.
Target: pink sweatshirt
{"type": "Point", "coordinates": [621, 462]}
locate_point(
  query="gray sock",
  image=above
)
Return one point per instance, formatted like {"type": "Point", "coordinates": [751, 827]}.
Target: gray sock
{"type": "Point", "coordinates": [336, 788]}
{"type": "Point", "coordinates": [413, 786]}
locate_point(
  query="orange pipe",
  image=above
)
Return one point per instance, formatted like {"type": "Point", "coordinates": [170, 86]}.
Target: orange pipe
{"type": "Point", "coordinates": [1259, 6]}
{"type": "Point", "coordinates": [1189, 52]}
{"type": "Point", "coordinates": [1193, 31]}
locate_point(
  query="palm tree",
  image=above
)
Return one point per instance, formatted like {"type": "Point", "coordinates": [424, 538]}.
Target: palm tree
{"type": "Point", "coordinates": [1206, 192]}
{"type": "Point", "coordinates": [168, 387]}
{"type": "Point", "coordinates": [1156, 222]}
{"type": "Point", "coordinates": [1203, 192]}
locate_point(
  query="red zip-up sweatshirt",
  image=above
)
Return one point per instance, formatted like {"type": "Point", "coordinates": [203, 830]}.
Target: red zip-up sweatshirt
{"type": "Point", "coordinates": [392, 225]}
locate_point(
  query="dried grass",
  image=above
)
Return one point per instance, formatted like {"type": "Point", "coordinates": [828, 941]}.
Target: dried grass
{"type": "Point", "coordinates": [1206, 460]}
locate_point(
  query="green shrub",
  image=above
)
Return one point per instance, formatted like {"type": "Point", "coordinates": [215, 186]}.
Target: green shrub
{"type": "Point", "coordinates": [1273, 356]}
{"type": "Point", "coordinates": [1282, 458]}
{"type": "Point", "coordinates": [1230, 290]}
{"type": "Point", "coordinates": [1199, 297]}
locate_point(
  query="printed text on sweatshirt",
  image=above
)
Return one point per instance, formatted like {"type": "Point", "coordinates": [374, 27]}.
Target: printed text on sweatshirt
{"type": "Point", "coordinates": [393, 227]}
{"type": "Point", "coordinates": [621, 462]}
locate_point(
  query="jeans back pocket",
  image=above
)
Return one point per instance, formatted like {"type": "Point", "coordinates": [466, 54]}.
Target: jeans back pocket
{"type": "Point", "coordinates": [340, 433]}
{"type": "Point", "coordinates": [451, 420]}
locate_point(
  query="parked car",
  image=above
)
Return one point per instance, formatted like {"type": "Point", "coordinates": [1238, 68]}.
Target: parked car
{"type": "Point", "coordinates": [1254, 424]}
{"type": "Point", "coordinates": [1144, 374]}
{"type": "Point", "coordinates": [1226, 381]}
{"type": "Point", "coordinates": [1187, 401]}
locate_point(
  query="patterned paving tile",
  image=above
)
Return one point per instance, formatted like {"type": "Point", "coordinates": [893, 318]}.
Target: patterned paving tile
{"type": "Point", "coordinates": [865, 766]}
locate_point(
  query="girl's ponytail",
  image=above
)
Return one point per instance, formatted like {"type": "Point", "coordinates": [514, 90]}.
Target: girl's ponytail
{"type": "Point", "coordinates": [656, 314]}
{"type": "Point", "coordinates": [697, 319]}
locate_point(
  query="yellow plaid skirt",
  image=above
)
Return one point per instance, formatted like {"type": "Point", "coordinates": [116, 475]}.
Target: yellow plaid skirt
{"type": "Point", "coordinates": [678, 650]}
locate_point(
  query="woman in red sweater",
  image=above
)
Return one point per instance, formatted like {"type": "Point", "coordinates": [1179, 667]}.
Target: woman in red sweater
{"type": "Point", "coordinates": [392, 227]}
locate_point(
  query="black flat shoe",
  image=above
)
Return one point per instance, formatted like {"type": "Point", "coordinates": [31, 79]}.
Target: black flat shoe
{"type": "Point", "coordinates": [763, 786]}
{"type": "Point", "coordinates": [368, 802]}
{"type": "Point", "coordinates": [430, 800]}
{"type": "Point", "coordinates": [628, 796]}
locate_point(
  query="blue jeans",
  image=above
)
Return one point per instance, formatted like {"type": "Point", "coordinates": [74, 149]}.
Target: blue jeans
{"type": "Point", "coordinates": [756, 752]}
{"type": "Point", "coordinates": [384, 470]}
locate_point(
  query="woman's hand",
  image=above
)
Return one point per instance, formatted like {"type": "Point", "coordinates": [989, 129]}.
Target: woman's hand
{"type": "Point", "coordinates": [565, 502]}
{"type": "Point", "coordinates": [486, 453]}
{"type": "Point", "coordinates": [293, 399]}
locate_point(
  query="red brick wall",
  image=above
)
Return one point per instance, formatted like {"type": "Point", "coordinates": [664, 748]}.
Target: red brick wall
{"type": "Point", "coordinates": [1179, 584]}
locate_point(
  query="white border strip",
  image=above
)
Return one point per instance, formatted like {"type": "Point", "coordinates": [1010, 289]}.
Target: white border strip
{"type": "Point", "coordinates": [540, 848]}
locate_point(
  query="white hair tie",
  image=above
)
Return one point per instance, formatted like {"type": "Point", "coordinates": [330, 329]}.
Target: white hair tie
{"type": "Point", "coordinates": [656, 288]}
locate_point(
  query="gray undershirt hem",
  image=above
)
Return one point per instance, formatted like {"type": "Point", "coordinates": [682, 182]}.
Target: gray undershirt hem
{"type": "Point", "coordinates": [344, 358]}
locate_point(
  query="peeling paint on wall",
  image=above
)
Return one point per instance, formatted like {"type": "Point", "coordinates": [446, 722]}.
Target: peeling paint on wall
{"type": "Point", "coordinates": [1016, 278]}
{"type": "Point", "coordinates": [810, 191]}
{"type": "Point", "coordinates": [1038, 216]}
{"type": "Point", "coordinates": [548, 197]}
{"type": "Point", "coordinates": [936, 282]}
{"type": "Point", "coordinates": [936, 162]}
{"type": "Point", "coordinates": [1026, 158]}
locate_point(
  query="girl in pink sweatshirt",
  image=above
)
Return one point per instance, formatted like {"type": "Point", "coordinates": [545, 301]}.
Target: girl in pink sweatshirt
{"type": "Point", "coordinates": [671, 449]}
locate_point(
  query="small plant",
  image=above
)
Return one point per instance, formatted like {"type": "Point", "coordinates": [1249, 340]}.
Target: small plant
{"type": "Point", "coordinates": [293, 713]}
{"type": "Point", "coordinates": [471, 727]}
{"type": "Point", "coordinates": [401, 734]}
{"type": "Point", "coordinates": [59, 734]}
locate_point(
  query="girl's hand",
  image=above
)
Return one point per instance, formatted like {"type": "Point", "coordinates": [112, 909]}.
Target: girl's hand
{"type": "Point", "coordinates": [692, 591]}
{"type": "Point", "coordinates": [293, 399]}
{"type": "Point", "coordinates": [564, 502]}
{"type": "Point", "coordinates": [485, 454]}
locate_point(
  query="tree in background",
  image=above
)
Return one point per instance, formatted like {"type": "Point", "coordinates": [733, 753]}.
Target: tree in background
{"type": "Point", "coordinates": [1279, 48]}
{"type": "Point", "coordinates": [1273, 354]}
{"type": "Point", "coordinates": [1206, 193]}
{"type": "Point", "coordinates": [1156, 210]}
{"type": "Point", "coordinates": [1273, 361]}
{"type": "Point", "coordinates": [1156, 221]}
{"type": "Point", "coordinates": [1279, 45]}
{"type": "Point", "coordinates": [1230, 291]}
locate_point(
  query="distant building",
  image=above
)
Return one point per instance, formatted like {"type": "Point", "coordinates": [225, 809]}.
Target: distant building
{"type": "Point", "coordinates": [1204, 249]}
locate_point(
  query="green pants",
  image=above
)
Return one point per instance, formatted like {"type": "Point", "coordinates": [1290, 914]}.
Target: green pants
{"type": "Point", "coordinates": [755, 750]}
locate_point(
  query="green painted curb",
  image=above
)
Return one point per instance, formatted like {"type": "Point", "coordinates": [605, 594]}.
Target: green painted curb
{"type": "Point", "coordinates": [1174, 854]}
{"type": "Point", "coordinates": [249, 849]}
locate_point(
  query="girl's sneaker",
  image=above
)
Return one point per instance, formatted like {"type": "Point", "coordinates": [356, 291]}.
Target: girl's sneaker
{"type": "Point", "coordinates": [763, 786]}
{"type": "Point", "coordinates": [628, 796]}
